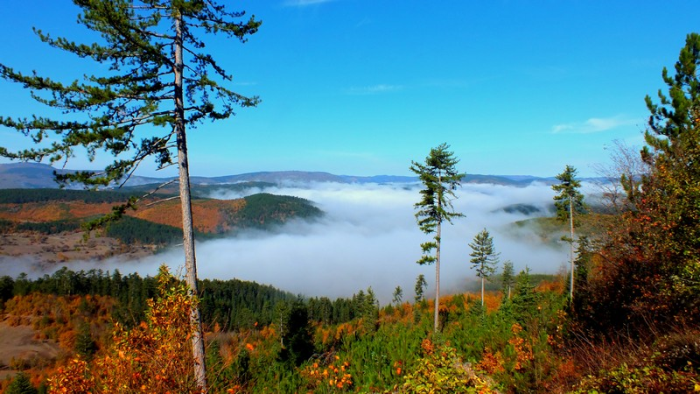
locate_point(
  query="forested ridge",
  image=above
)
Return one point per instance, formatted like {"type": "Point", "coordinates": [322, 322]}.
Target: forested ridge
{"type": "Point", "coordinates": [23, 196]}
{"type": "Point", "coordinates": [252, 302]}
{"type": "Point", "coordinates": [199, 190]}
{"type": "Point", "coordinates": [52, 211]}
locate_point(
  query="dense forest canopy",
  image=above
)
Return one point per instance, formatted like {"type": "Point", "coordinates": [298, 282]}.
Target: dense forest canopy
{"type": "Point", "coordinates": [259, 211]}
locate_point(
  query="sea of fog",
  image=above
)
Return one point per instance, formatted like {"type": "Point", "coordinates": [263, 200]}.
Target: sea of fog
{"type": "Point", "coordinates": [368, 237]}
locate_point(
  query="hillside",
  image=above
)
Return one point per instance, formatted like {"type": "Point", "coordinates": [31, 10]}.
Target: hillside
{"type": "Point", "coordinates": [43, 320]}
{"type": "Point", "coordinates": [53, 218]}
{"type": "Point", "coordinates": [550, 229]}
{"type": "Point", "coordinates": [34, 175]}
{"type": "Point", "coordinates": [26, 175]}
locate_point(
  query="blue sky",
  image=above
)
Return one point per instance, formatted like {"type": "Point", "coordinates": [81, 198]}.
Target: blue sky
{"type": "Point", "coordinates": [363, 87]}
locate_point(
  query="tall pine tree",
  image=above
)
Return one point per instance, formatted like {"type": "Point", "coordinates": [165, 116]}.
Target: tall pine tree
{"type": "Point", "coordinates": [440, 178]}
{"type": "Point", "coordinates": [158, 82]}
{"type": "Point", "coordinates": [568, 201]}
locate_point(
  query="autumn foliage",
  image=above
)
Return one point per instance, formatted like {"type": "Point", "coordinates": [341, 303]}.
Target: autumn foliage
{"type": "Point", "coordinates": [645, 276]}
{"type": "Point", "coordinates": [441, 371]}
{"type": "Point", "coordinates": [153, 357]}
{"type": "Point", "coordinates": [57, 317]}
{"type": "Point", "coordinates": [209, 216]}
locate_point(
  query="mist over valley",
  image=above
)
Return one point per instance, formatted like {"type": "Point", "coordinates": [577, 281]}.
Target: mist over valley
{"type": "Point", "coordinates": [366, 237]}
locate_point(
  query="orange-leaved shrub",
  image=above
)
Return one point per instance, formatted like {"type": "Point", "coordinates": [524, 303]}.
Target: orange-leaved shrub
{"type": "Point", "coordinates": [153, 357]}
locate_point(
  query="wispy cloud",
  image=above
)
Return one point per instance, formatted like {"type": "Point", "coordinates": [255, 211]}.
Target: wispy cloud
{"type": "Point", "coordinates": [374, 89]}
{"type": "Point", "coordinates": [304, 3]}
{"type": "Point", "coordinates": [594, 125]}
{"type": "Point", "coordinates": [365, 21]}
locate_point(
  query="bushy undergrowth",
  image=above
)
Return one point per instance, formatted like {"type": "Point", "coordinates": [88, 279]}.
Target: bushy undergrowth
{"type": "Point", "coordinates": [523, 344]}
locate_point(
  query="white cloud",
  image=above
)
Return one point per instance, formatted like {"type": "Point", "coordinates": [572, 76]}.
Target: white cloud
{"type": "Point", "coordinates": [304, 3]}
{"type": "Point", "coordinates": [374, 89]}
{"type": "Point", "coordinates": [562, 127]}
{"type": "Point", "coordinates": [594, 125]}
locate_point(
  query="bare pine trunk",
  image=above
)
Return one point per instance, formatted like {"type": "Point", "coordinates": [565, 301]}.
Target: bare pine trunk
{"type": "Point", "coordinates": [437, 258]}
{"type": "Point", "coordinates": [437, 279]}
{"type": "Point", "coordinates": [571, 253]}
{"type": "Point", "coordinates": [482, 291]}
{"type": "Point", "coordinates": [186, 204]}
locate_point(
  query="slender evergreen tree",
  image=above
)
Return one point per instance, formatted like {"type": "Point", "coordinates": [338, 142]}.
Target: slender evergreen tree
{"type": "Point", "coordinates": [525, 299]}
{"type": "Point", "coordinates": [84, 343]}
{"type": "Point", "coordinates": [507, 278]}
{"type": "Point", "coordinates": [398, 295]}
{"type": "Point", "coordinates": [298, 341]}
{"type": "Point", "coordinates": [420, 288]}
{"type": "Point", "coordinates": [483, 257]}
{"type": "Point", "coordinates": [159, 77]}
{"type": "Point", "coordinates": [568, 201]}
{"type": "Point", "coordinates": [440, 178]}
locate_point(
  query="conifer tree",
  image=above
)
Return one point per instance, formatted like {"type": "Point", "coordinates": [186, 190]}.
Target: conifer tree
{"type": "Point", "coordinates": [525, 299]}
{"type": "Point", "coordinates": [21, 385]}
{"type": "Point", "coordinates": [440, 178]}
{"type": "Point", "coordinates": [370, 310]}
{"type": "Point", "coordinates": [159, 78]}
{"type": "Point", "coordinates": [420, 287]}
{"type": "Point", "coordinates": [664, 229]}
{"type": "Point", "coordinates": [507, 278]}
{"type": "Point", "coordinates": [84, 343]}
{"type": "Point", "coordinates": [7, 289]}
{"type": "Point", "coordinates": [671, 190]}
{"type": "Point", "coordinates": [299, 344]}
{"type": "Point", "coordinates": [421, 284]}
{"type": "Point", "coordinates": [582, 264]}
{"type": "Point", "coordinates": [397, 296]}
{"type": "Point", "coordinates": [568, 201]}
{"type": "Point", "coordinates": [483, 257]}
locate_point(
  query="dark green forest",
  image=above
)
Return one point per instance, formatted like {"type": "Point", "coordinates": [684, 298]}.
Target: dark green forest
{"type": "Point", "coordinates": [198, 190]}
{"type": "Point", "coordinates": [261, 211]}
{"type": "Point", "coordinates": [232, 304]}
{"type": "Point", "coordinates": [24, 196]}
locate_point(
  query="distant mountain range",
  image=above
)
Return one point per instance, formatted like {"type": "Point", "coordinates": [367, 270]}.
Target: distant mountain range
{"type": "Point", "coordinates": [37, 175]}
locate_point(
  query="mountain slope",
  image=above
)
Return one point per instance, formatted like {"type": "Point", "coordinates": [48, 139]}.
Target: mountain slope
{"type": "Point", "coordinates": [51, 211]}
{"type": "Point", "coordinates": [32, 175]}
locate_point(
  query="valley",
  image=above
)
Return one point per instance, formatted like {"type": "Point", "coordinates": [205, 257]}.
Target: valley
{"type": "Point", "coordinates": [46, 225]}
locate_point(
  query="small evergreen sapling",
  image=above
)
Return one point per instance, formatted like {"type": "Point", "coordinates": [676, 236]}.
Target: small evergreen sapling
{"type": "Point", "coordinates": [483, 257]}
{"type": "Point", "coordinates": [507, 278]}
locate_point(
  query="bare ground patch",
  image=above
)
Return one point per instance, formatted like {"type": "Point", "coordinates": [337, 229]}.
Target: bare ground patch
{"type": "Point", "coordinates": [18, 346]}
{"type": "Point", "coordinates": [64, 247]}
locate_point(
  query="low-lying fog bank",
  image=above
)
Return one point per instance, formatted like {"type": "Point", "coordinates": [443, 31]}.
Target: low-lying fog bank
{"type": "Point", "coordinates": [368, 237]}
